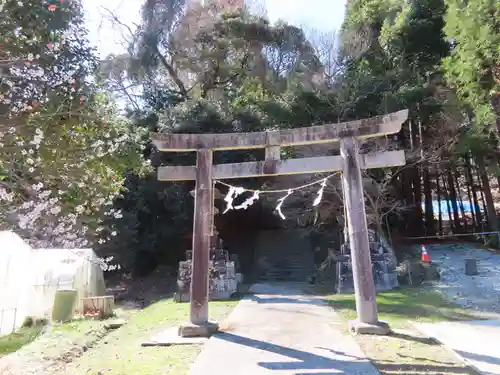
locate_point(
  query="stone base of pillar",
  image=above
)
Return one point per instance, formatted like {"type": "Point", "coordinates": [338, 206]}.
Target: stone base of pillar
{"type": "Point", "coordinates": [359, 328]}
{"type": "Point", "coordinates": [198, 330]}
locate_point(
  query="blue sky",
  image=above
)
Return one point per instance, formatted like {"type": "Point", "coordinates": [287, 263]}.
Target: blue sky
{"type": "Point", "coordinates": [321, 15]}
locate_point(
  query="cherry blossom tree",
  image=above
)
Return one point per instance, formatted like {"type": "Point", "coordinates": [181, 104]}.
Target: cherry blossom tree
{"type": "Point", "coordinates": [64, 148]}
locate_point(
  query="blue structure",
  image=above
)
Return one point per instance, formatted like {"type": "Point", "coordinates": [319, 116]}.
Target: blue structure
{"type": "Point", "coordinates": [447, 208]}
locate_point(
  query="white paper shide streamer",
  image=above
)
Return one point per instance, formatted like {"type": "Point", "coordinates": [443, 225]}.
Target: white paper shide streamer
{"type": "Point", "coordinates": [231, 196]}
{"type": "Point", "coordinates": [319, 197]}
{"type": "Point", "coordinates": [248, 202]}
{"type": "Point", "coordinates": [235, 192]}
{"type": "Point", "coordinates": [280, 203]}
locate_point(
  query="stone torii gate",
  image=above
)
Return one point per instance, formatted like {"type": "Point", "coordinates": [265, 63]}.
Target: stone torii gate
{"type": "Point", "coordinates": [350, 162]}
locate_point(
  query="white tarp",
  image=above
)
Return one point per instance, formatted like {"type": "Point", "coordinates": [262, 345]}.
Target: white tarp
{"type": "Point", "coordinates": [29, 279]}
{"type": "Point", "coordinates": [14, 271]}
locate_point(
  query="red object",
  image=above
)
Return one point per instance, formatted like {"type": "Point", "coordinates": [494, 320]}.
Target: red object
{"type": "Point", "coordinates": [425, 258]}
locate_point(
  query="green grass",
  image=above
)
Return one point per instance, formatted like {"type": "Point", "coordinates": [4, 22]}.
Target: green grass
{"type": "Point", "coordinates": [121, 353]}
{"type": "Point", "coordinates": [16, 340]}
{"type": "Point", "coordinates": [47, 350]}
{"type": "Point", "coordinates": [66, 340]}
{"type": "Point", "coordinates": [407, 351]}
{"type": "Point", "coordinates": [77, 327]}
{"type": "Point", "coordinates": [86, 347]}
{"type": "Point", "coordinates": [399, 306]}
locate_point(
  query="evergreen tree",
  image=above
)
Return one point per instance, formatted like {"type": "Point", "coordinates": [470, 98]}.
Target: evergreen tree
{"type": "Point", "coordinates": [473, 68]}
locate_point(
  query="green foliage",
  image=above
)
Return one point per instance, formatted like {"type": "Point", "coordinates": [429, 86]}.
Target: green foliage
{"type": "Point", "coordinates": [372, 12]}
{"type": "Point", "coordinates": [156, 221]}
{"type": "Point", "coordinates": [415, 38]}
{"type": "Point", "coordinates": [473, 28]}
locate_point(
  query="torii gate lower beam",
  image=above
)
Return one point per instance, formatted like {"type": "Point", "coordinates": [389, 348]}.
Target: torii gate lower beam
{"type": "Point", "coordinates": [350, 162]}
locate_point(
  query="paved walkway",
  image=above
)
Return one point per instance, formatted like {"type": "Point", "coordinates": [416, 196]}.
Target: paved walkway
{"type": "Point", "coordinates": [475, 342]}
{"type": "Point", "coordinates": [280, 330]}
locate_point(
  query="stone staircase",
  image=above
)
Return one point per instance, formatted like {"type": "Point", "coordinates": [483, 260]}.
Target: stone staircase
{"type": "Point", "coordinates": [283, 255]}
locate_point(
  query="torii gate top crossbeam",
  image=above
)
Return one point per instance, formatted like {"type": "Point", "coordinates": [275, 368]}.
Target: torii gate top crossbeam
{"type": "Point", "coordinates": [361, 129]}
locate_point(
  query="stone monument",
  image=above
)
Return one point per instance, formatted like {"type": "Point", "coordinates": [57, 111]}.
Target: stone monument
{"type": "Point", "coordinates": [383, 265]}
{"type": "Point", "coordinates": [223, 280]}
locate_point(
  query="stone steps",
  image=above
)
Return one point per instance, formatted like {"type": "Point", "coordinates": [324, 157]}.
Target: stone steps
{"type": "Point", "coordinates": [288, 256]}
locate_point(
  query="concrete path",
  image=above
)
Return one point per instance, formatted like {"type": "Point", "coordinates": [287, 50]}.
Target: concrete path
{"type": "Point", "coordinates": [280, 330]}
{"type": "Point", "coordinates": [475, 342]}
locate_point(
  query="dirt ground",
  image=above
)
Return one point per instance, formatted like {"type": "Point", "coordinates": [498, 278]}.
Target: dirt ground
{"type": "Point", "coordinates": [407, 352]}
{"type": "Point", "coordinates": [480, 292]}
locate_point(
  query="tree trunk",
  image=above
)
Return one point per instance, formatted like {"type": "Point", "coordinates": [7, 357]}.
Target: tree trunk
{"type": "Point", "coordinates": [475, 201]}
{"type": "Point", "coordinates": [460, 201]}
{"type": "Point", "coordinates": [453, 198]}
{"type": "Point", "coordinates": [405, 178]}
{"type": "Point", "coordinates": [472, 210]}
{"type": "Point", "coordinates": [488, 197]}
{"type": "Point", "coordinates": [417, 201]}
{"type": "Point", "coordinates": [439, 198]}
{"type": "Point", "coordinates": [417, 179]}
{"type": "Point", "coordinates": [446, 190]}
{"type": "Point", "coordinates": [495, 103]}
{"type": "Point", "coordinates": [497, 157]}
{"type": "Point", "coordinates": [430, 222]}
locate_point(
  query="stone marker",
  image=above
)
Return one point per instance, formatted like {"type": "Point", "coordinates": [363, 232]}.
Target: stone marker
{"type": "Point", "coordinates": [114, 324]}
{"type": "Point", "coordinates": [471, 266]}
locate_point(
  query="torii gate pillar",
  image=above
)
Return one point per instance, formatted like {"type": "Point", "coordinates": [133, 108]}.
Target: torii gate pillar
{"type": "Point", "coordinates": [199, 325]}
{"type": "Point", "coordinates": [352, 181]}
